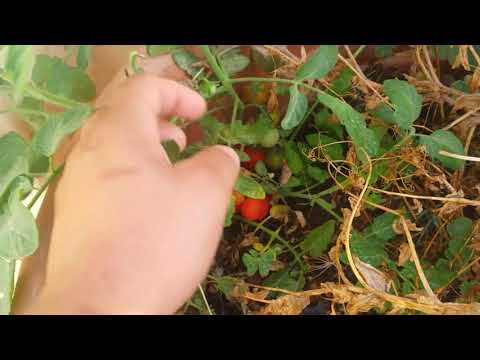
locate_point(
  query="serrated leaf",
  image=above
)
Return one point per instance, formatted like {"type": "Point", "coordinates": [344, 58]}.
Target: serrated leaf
{"type": "Point", "coordinates": [14, 159]}
{"type": "Point", "coordinates": [49, 136]}
{"type": "Point", "coordinates": [247, 186]}
{"type": "Point", "coordinates": [297, 108]}
{"type": "Point", "coordinates": [265, 262]}
{"type": "Point", "coordinates": [447, 141]}
{"type": "Point", "coordinates": [354, 123]}
{"type": "Point", "coordinates": [18, 229]}
{"type": "Point", "coordinates": [319, 63]}
{"type": "Point", "coordinates": [19, 63]}
{"type": "Point", "coordinates": [212, 129]}
{"type": "Point", "coordinates": [406, 101]}
{"type": "Point", "coordinates": [251, 263]}
{"type": "Point", "coordinates": [293, 158]}
{"type": "Point", "coordinates": [318, 240]}
{"type": "Point", "coordinates": [58, 78]}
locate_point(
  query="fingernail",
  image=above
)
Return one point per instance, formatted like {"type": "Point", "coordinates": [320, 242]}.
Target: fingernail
{"type": "Point", "coordinates": [230, 152]}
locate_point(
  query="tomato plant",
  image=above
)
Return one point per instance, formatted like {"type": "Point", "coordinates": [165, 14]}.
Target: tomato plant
{"type": "Point", "coordinates": [373, 176]}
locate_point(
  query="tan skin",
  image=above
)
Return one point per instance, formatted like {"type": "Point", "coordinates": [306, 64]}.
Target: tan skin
{"type": "Point", "coordinates": [124, 231]}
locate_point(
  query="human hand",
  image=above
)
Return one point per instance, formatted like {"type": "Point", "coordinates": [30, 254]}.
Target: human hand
{"type": "Point", "coordinates": [133, 233]}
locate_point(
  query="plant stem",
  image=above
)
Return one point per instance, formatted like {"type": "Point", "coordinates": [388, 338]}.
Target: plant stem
{"type": "Point", "coordinates": [222, 76]}
{"type": "Point", "coordinates": [299, 127]}
{"type": "Point", "coordinates": [273, 233]}
{"type": "Point", "coordinates": [52, 177]}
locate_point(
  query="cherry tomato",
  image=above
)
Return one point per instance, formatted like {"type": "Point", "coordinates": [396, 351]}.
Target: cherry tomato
{"type": "Point", "coordinates": [255, 155]}
{"type": "Point", "coordinates": [239, 200]}
{"type": "Point", "coordinates": [255, 209]}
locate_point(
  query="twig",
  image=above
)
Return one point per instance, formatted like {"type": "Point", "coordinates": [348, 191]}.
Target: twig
{"type": "Point", "coordinates": [205, 299]}
{"type": "Point", "coordinates": [365, 80]}
{"type": "Point", "coordinates": [461, 118]}
{"type": "Point", "coordinates": [434, 198]}
{"type": "Point", "coordinates": [429, 63]}
{"type": "Point", "coordinates": [348, 227]}
{"type": "Point", "coordinates": [224, 79]}
{"type": "Point", "coordinates": [458, 156]}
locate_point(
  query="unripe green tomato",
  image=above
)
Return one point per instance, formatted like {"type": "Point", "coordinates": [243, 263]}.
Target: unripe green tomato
{"type": "Point", "coordinates": [274, 159]}
{"type": "Point", "coordinates": [270, 139]}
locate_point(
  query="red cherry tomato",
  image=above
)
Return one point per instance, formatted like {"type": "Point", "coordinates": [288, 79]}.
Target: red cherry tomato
{"type": "Point", "coordinates": [239, 200]}
{"type": "Point", "coordinates": [254, 155]}
{"type": "Point", "coordinates": [255, 209]}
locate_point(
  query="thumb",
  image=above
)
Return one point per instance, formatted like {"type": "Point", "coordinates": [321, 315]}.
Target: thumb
{"type": "Point", "coordinates": [215, 169]}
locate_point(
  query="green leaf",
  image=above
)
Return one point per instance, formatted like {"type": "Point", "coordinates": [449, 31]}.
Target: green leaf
{"type": "Point", "coordinates": [293, 182]}
{"type": "Point", "coordinates": [335, 151]}
{"type": "Point", "coordinates": [173, 150]}
{"type": "Point", "coordinates": [293, 158]}
{"type": "Point", "coordinates": [317, 174]}
{"type": "Point", "coordinates": [83, 56]}
{"type": "Point", "coordinates": [353, 122]}
{"type": "Point", "coordinates": [460, 85]}
{"type": "Point", "coordinates": [58, 78]}
{"type": "Point", "coordinates": [247, 186]}
{"type": "Point", "coordinates": [406, 101]}
{"type": "Point", "coordinates": [381, 228]}
{"type": "Point", "coordinates": [19, 63]}
{"type": "Point", "coordinates": [318, 240]}
{"type": "Point", "coordinates": [383, 50]}
{"type": "Point", "coordinates": [49, 136]}
{"type": "Point", "coordinates": [343, 82]}
{"type": "Point", "coordinates": [18, 229]}
{"type": "Point", "coordinates": [319, 64]}
{"type": "Point", "coordinates": [370, 250]}
{"type": "Point", "coordinates": [297, 108]}
{"type": "Point", "coordinates": [251, 263]}
{"type": "Point", "coordinates": [212, 129]}
{"type": "Point", "coordinates": [334, 130]}
{"type": "Point", "coordinates": [265, 262]}
{"type": "Point", "coordinates": [233, 62]}
{"type": "Point", "coordinates": [467, 287]}
{"type": "Point", "coordinates": [260, 132]}
{"type": "Point", "coordinates": [260, 168]}
{"type": "Point", "coordinates": [225, 285]}
{"type": "Point", "coordinates": [447, 141]}
{"type": "Point", "coordinates": [6, 286]}
{"type": "Point", "coordinates": [14, 159]}
{"type": "Point", "coordinates": [439, 275]}
{"type": "Point", "coordinates": [284, 280]}
{"type": "Point", "coordinates": [156, 50]}
{"type": "Point", "coordinates": [185, 61]}
{"type": "Point", "coordinates": [230, 212]}
{"type": "Point", "coordinates": [459, 232]}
